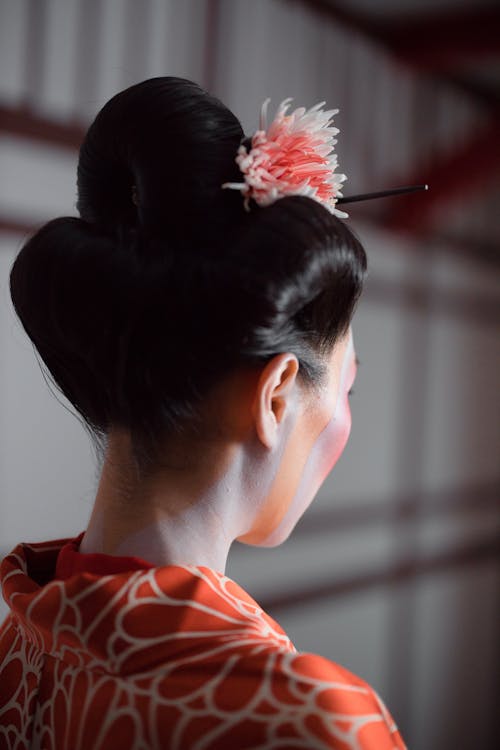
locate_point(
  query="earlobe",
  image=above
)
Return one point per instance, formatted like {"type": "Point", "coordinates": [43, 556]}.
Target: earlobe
{"type": "Point", "coordinates": [275, 390]}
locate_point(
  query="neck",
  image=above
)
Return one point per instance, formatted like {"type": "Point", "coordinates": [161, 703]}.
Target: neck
{"type": "Point", "coordinates": [183, 515]}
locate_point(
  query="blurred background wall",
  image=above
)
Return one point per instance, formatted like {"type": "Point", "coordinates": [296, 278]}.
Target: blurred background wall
{"type": "Point", "coordinates": [394, 570]}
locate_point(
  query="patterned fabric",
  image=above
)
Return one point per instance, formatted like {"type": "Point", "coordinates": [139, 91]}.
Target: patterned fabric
{"type": "Point", "coordinates": [177, 656]}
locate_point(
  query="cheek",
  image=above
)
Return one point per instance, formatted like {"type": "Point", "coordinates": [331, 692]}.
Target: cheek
{"type": "Point", "coordinates": [324, 454]}
{"type": "Point", "coordinates": [332, 441]}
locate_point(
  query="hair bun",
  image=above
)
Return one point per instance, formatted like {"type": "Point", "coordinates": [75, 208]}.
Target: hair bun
{"type": "Point", "coordinates": [176, 144]}
{"type": "Point", "coordinates": [71, 287]}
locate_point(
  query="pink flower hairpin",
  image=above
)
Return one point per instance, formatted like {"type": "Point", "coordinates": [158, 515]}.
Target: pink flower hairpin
{"type": "Point", "coordinates": [293, 156]}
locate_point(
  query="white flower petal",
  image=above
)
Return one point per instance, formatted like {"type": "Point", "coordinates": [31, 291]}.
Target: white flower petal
{"type": "Point", "coordinates": [263, 114]}
{"type": "Point", "coordinates": [316, 106]}
{"type": "Point", "coordinates": [234, 185]}
{"type": "Point", "coordinates": [340, 214]}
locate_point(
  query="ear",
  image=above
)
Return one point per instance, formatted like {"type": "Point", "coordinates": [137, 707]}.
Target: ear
{"type": "Point", "coordinates": [273, 398]}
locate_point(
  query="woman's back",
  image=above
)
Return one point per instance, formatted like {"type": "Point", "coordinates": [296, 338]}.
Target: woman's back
{"type": "Point", "coordinates": [162, 657]}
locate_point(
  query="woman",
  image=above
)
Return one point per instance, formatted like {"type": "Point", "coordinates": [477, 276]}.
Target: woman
{"type": "Point", "coordinates": [207, 344]}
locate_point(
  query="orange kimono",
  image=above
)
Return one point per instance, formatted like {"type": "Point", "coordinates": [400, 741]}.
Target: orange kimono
{"type": "Point", "coordinates": [102, 652]}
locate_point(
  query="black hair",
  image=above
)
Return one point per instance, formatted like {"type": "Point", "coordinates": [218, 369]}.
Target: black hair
{"type": "Point", "coordinates": [138, 307]}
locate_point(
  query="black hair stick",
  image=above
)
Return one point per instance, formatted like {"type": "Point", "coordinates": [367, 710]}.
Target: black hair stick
{"type": "Point", "coordinates": [382, 193]}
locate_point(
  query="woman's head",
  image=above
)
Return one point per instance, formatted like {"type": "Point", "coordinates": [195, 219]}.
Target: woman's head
{"type": "Point", "coordinates": [141, 311]}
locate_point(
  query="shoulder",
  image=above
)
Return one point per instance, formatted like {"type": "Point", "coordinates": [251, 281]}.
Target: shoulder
{"type": "Point", "coordinates": [275, 698]}
{"type": "Point", "coordinates": [332, 684]}
{"type": "Point", "coordinates": [328, 704]}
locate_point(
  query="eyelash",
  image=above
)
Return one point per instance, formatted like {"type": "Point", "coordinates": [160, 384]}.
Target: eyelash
{"type": "Point", "coordinates": [349, 393]}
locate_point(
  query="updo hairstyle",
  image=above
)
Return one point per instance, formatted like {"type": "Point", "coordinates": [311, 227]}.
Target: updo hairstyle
{"type": "Point", "coordinates": [165, 284]}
